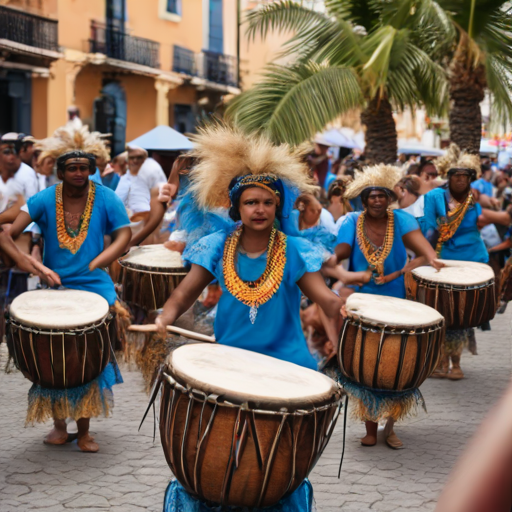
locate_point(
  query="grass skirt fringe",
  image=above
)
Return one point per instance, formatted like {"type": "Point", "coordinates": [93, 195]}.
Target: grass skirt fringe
{"type": "Point", "coordinates": [177, 499]}
{"type": "Point", "coordinates": [455, 341]}
{"type": "Point", "coordinates": [368, 404]}
{"type": "Point", "coordinates": [89, 401]}
{"type": "Point", "coordinates": [122, 319]}
{"type": "Point", "coordinates": [153, 355]}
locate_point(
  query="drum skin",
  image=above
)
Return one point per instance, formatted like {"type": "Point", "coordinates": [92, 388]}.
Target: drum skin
{"type": "Point", "coordinates": [394, 359]}
{"type": "Point", "coordinates": [148, 288]}
{"type": "Point", "coordinates": [60, 360]}
{"type": "Point", "coordinates": [200, 442]}
{"type": "Point", "coordinates": [461, 308]}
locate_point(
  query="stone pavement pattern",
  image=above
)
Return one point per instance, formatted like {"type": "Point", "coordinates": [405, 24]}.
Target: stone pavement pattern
{"type": "Point", "coordinates": [130, 474]}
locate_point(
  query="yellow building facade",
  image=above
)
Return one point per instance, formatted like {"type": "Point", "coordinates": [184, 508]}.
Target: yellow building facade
{"type": "Point", "coordinates": [127, 65]}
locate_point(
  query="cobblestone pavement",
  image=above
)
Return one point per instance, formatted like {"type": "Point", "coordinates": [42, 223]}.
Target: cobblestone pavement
{"type": "Point", "coordinates": [130, 474]}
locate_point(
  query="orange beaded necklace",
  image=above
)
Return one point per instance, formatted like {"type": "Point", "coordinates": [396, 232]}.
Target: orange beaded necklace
{"type": "Point", "coordinates": [255, 293]}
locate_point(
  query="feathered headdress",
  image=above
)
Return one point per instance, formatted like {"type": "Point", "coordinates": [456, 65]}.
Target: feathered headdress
{"type": "Point", "coordinates": [68, 138]}
{"type": "Point", "coordinates": [454, 158]}
{"type": "Point", "coordinates": [382, 175]}
{"type": "Point", "coordinates": [223, 153]}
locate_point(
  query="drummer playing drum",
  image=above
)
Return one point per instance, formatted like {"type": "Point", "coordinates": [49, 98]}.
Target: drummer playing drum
{"type": "Point", "coordinates": [74, 217]}
{"type": "Point", "coordinates": [261, 270]}
{"type": "Point", "coordinates": [376, 239]}
{"type": "Point", "coordinates": [456, 216]}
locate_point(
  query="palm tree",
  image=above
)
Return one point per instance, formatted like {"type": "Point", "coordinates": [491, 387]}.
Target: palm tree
{"type": "Point", "coordinates": [473, 39]}
{"type": "Point", "coordinates": [360, 53]}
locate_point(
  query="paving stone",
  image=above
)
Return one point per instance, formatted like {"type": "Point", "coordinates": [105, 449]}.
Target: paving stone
{"type": "Point", "coordinates": [130, 474]}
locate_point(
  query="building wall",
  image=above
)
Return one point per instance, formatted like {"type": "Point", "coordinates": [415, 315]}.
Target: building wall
{"type": "Point", "coordinates": [141, 103]}
{"type": "Point", "coordinates": [88, 85]}
{"type": "Point", "coordinates": [39, 107]}
{"type": "Point", "coordinates": [41, 7]}
{"type": "Point", "coordinates": [75, 22]}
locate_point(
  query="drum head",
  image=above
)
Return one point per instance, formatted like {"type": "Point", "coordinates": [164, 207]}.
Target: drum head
{"type": "Point", "coordinates": [153, 257]}
{"type": "Point", "coordinates": [244, 376]}
{"type": "Point", "coordinates": [460, 273]}
{"type": "Point", "coordinates": [58, 309]}
{"type": "Point", "coordinates": [390, 311]}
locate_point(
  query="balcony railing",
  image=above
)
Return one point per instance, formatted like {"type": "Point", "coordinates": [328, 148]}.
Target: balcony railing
{"type": "Point", "coordinates": [117, 44]}
{"type": "Point", "coordinates": [220, 68]}
{"type": "Point", "coordinates": [215, 67]}
{"type": "Point", "coordinates": [28, 29]}
{"type": "Point", "coordinates": [184, 61]}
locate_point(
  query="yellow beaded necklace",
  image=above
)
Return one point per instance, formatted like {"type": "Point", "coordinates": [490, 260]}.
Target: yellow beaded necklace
{"type": "Point", "coordinates": [376, 257]}
{"type": "Point", "coordinates": [255, 293]}
{"type": "Point", "coordinates": [66, 241]}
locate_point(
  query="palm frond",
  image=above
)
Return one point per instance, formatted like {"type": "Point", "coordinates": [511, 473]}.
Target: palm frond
{"type": "Point", "coordinates": [292, 103]}
{"type": "Point", "coordinates": [499, 81]}
{"type": "Point", "coordinates": [282, 16]}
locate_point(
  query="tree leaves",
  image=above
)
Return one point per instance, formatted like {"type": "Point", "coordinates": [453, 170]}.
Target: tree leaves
{"type": "Point", "coordinates": [292, 103]}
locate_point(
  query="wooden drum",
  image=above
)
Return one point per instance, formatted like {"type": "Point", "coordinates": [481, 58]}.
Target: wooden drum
{"type": "Point", "coordinates": [59, 339]}
{"type": "Point", "coordinates": [149, 276]}
{"type": "Point", "coordinates": [388, 343]}
{"type": "Point", "coordinates": [464, 292]}
{"type": "Point", "coordinates": [243, 429]}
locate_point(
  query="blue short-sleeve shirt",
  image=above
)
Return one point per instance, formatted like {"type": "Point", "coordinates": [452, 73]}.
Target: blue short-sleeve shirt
{"type": "Point", "coordinates": [396, 260]}
{"type": "Point", "coordinates": [277, 331]}
{"type": "Point", "coordinates": [108, 215]}
{"type": "Point", "coordinates": [466, 244]}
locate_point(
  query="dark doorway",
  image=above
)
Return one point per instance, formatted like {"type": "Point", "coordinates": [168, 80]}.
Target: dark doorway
{"type": "Point", "coordinates": [110, 115]}
{"type": "Point", "coordinates": [15, 102]}
{"type": "Point", "coordinates": [184, 118]}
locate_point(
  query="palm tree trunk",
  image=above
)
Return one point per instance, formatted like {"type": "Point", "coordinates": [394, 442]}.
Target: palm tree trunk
{"type": "Point", "coordinates": [467, 86]}
{"type": "Point", "coordinates": [381, 137]}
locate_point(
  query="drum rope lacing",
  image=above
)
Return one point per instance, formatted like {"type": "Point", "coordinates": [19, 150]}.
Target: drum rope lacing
{"type": "Point", "coordinates": [144, 271]}
{"type": "Point", "coordinates": [68, 332]}
{"type": "Point", "coordinates": [453, 287]}
{"type": "Point", "coordinates": [386, 329]}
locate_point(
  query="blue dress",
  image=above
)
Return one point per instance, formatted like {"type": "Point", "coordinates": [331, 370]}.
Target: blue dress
{"type": "Point", "coordinates": [466, 244]}
{"type": "Point", "coordinates": [396, 260]}
{"type": "Point", "coordinates": [110, 180]}
{"type": "Point", "coordinates": [319, 234]}
{"type": "Point", "coordinates": [277, 331]}
{"type": "Point", "coordinates": [484, 187]}
{"type": "Point", "coordinates": [108, 215]}
{"type": "Point", "coordinates": [96, 177]}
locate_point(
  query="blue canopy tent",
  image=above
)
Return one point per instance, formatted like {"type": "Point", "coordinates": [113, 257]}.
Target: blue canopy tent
{"type": "Point", "coordinates": [162, 138]}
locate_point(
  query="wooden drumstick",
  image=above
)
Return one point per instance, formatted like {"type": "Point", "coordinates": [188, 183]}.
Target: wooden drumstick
{"type": "Point", "coordinates": [171, 328]}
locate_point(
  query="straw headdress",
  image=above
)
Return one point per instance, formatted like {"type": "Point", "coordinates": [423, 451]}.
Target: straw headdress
{"type": "Point", "coordinates": [454, 158]}
{"type": "Point", "coordinates": [224, 152]}
{"type": "Point", "coordinates": [382, 175]}
{"type": "Point", "coordinates": [69, 138]}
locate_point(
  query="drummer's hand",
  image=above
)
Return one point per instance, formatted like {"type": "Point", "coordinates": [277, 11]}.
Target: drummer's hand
{"type": "Point", "coordinates": [166, 192]}
{"type": "Point", "coordinates": [437, 264]}
{"type": "Point", "coordinates": [161, 326]}
{"type": "Point", "coordinates": [31, 265]}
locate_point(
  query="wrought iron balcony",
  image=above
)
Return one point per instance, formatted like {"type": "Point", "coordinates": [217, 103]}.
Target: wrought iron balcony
{"type": "Point", "coordinates": [184, 61]}
{"type": "Point", "coordinates": [29, 29]}
{"type": "Point", "coordinates": [117, 44]}
{"type": "Point", "coordinates": [215, 67]}
{"type": "Point", "coordinates": [220, 68]}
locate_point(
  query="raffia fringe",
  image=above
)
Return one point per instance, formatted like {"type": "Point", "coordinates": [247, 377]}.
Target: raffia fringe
{"type": "Point", "coordinates": [455, 341]}
{"type": "Point", "coordinates": [376, 405]}
{"type": "Point", "coordinates": [46, 404]}
{"type": "Point", "coordinates": [153, 356]}
{"type": "Point", "coordinates": [123, 321]}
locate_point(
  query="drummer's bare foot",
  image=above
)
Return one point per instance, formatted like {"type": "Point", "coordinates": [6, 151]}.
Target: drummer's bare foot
{"type": "Point", "coordinates": [456, 371]}
{"type": "Point", "coordinates": [391, 438]}
{"type": "Point", "coordinates": [370, 439]}
{"type": "Point", "coordinates": [85, 441]}
{"type": "Point", "coordinates": [58, 435]}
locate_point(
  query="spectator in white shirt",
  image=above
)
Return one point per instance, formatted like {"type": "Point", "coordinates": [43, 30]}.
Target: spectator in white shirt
{"type": "Point", "coordinates": [152, 173]}
{"type": "Point", "coordinates": [132, 189]}
{"type": "Point", "coordinates": [23, 174]}
{"type": "Point", "coordinates": [27, 148]}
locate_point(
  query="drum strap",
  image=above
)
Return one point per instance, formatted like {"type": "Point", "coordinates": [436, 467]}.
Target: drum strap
{"type": "Point", "coordinates": [345, 413]}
